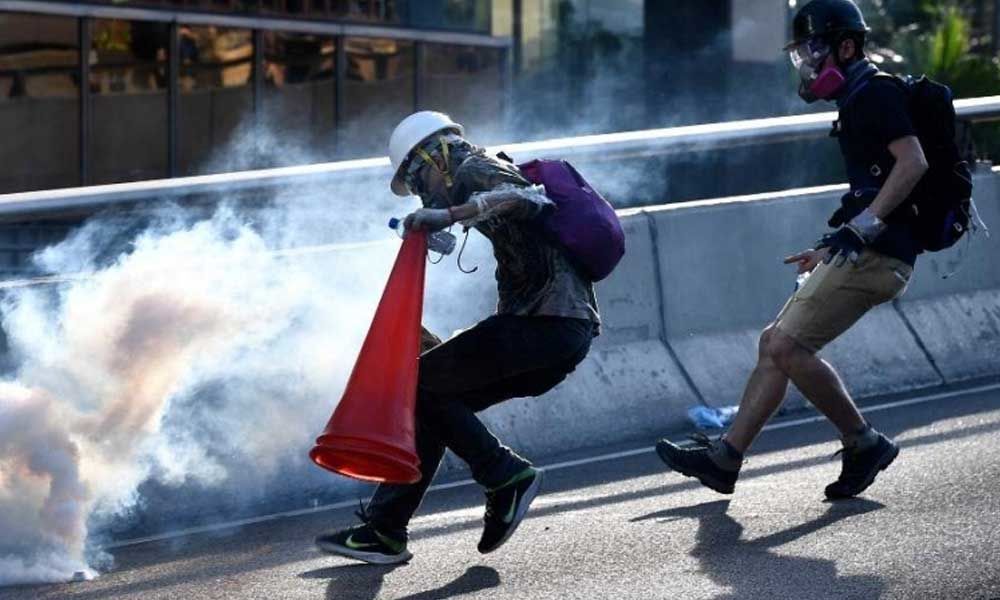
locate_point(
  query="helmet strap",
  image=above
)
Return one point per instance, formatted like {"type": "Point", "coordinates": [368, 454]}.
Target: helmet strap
{"type": "Point", "coordinates": [446, 171]}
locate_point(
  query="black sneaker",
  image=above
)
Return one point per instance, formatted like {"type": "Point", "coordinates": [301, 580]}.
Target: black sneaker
{"type": "Point", "coordinates": [506, 507]}
{"type": "Point", "coordinates": [860, 468]}
{"type": "Point", "coordinates": [363, 543]}
{"type": "Point", "coordinates": [695, 462]}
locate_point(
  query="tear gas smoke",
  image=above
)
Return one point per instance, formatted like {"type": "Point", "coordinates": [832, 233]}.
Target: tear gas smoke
{"type": "Point", "coordinates": [206, 355]}
{"type": "Point", "coordinates": [198, 356]}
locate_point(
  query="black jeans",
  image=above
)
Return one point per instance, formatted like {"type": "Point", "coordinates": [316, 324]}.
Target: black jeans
{"type": "Point", "coordinates": [502, 357]}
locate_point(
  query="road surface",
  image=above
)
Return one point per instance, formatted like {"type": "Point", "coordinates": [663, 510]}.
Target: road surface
{"type": "Point", "coordinates": [615, 523]}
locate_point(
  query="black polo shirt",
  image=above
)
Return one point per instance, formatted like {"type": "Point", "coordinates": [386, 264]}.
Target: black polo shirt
{"type": "Point", "coordinates": [873, 116]}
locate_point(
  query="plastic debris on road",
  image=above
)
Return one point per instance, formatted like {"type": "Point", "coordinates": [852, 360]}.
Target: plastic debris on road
{"type": "Point", "coordinates": [709, 417]}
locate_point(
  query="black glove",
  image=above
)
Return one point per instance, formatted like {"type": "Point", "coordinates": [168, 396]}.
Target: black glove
{"type": "Point", "coordinates": [844, 244]}
{"type": "Point", "coordinates": [840, 216]}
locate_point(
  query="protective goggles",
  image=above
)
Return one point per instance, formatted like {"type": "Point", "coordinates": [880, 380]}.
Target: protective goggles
{"type": "Point", "coordinates": [427, 155]}
{"type": "Point", "coordinates": [811, 52]}
{"type": "Point", "coordinates": [412, 175]}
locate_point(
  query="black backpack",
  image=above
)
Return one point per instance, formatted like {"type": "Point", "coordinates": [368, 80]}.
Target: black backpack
{"type": "Point", "coordinates": [940, 205]}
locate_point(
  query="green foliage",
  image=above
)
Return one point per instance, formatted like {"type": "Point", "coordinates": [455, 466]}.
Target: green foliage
{"type": "Point", "coordinates": [935, 38]}
{"type": "Point", "coordinates": [948, 45]}
{"type": "Point", "coordinates": [950, 62]}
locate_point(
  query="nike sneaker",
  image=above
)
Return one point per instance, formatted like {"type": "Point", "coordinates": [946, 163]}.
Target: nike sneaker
{"type": "Point", "coordinates": [860, 468]}
{"type": "Point", "coordinates": [506, 507]}
{"type": "Point", "coordinates": [363, 543]}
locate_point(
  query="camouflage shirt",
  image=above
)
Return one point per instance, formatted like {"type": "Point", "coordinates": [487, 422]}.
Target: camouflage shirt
{"type": "Point", "coordinates": [534, 277]}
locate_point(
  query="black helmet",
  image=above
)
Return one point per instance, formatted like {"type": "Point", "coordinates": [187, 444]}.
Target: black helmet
{"type": "Point", "coordinates": [825, 18]}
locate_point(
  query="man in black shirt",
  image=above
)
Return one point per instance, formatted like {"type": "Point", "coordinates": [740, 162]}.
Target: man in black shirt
{"type": "Point", "coordinates": [864, 263]}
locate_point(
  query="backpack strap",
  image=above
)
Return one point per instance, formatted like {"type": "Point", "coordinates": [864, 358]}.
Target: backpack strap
{"type": "Point", "coordinates": [864, 83]}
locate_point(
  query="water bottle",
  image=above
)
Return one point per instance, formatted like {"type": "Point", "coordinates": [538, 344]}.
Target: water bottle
{"type": "Point", "coordinates": [441, 242]}
{"type": "Point", "coordinates": [800, 280]}
{"type": "Point", "coordinates": [708, 417]}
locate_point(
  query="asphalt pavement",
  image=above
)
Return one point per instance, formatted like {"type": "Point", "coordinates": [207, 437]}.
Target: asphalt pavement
{"type": "Point", "coordinates": [615, 523]}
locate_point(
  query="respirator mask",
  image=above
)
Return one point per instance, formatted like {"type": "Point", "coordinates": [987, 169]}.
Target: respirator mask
{"type": "Point", "coordinates": [819, 81]}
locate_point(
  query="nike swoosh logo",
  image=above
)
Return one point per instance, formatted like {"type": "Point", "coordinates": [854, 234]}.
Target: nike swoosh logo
{"type": "Point", "coordinates": [509, 517]}
{"type": "Point", "coordinates": [350, 543]}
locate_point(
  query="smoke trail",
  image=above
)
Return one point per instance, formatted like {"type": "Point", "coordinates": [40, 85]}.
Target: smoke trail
{"type": "Point", "coordinates": [199, 357]}
{"type": "Point", "coordinates": [41, 491]}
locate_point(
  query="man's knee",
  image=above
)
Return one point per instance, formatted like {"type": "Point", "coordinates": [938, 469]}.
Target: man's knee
{"type": "Point", "coordinates": [764, 343]}
{"type": "Point", "coordinates": [779, 348]}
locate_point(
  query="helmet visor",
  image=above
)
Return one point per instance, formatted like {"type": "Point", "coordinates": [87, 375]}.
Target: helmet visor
{"type": "Point", "coordinates": [811, 53]}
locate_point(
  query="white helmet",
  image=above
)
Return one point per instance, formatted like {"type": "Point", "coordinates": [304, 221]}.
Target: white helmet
{"type": "Point", "coordinates": [408, 134]}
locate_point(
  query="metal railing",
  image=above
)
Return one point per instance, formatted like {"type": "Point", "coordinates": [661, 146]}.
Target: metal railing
{"type": "Point", "coordinates": [711, 136]}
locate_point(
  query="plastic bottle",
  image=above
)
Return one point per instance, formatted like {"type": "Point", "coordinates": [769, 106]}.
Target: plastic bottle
{"type": "Point", "coordinates": [709, 417]}
{"type": "Point", "coordinates": [801, 279]}
{"type": "Point", "coordinates": [441, 242]}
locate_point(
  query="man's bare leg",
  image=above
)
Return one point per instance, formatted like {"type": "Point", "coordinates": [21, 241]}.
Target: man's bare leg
{"type": "Point", "coordinates": [764, 392]}
{"type": "Point", "coordinates": [781, 358]}
{"type": "Point", "coordinates": [818, 382]}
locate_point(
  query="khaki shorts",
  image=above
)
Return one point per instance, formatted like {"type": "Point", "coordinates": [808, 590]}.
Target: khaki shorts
{"type": "Point", "coordinates": [834, 298]}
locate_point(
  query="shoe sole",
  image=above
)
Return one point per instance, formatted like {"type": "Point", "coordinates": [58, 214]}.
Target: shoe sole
{"type": "Point", "coordinates": [706, 480]}
{"type": "Point", "coordinates": [373, 558]}
{"type": "Point", "coordinates": [884, 461]}
{"type": "Point", "coordinates": [526, 499]}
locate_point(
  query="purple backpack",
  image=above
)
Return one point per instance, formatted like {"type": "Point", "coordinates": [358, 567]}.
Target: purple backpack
{"type": "Point", "coordinates": [583, 222]}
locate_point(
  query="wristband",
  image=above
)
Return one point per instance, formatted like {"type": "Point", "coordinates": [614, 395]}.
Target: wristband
{"type": "Point", "coordinates": [867, 225]}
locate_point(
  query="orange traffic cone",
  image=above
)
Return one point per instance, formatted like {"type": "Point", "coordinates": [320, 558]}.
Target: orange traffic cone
{"type": "Point", "coordinates": [371, 433]}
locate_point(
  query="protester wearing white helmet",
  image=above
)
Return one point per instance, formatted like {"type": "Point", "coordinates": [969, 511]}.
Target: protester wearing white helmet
{"type": "Point", "coordinates": [408, 135]}
{"type": "Point", "coordinates": [546, 318]}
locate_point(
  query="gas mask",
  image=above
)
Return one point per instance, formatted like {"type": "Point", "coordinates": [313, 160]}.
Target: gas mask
{"type": "Point", "coordinates": [819, 81]}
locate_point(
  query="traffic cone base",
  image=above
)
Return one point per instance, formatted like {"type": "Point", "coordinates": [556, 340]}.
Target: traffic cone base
{"type": "Point", "coordinates": [365, 459]}
{"type": "Point", "coordinates": [371, 435]}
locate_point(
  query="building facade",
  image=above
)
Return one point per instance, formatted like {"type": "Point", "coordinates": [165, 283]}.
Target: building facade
{"type": "Point", "coordinates": [186, 87]}
{"type": "Point", "coordinates": [103, 91]}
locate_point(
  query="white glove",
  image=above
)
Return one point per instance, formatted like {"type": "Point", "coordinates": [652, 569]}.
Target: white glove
{"type": "Point", "coordinates": [428, 219]}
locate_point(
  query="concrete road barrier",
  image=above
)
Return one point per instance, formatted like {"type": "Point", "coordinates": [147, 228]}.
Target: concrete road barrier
{"type": "Point", "coordinates": [957, 318]}
{"type": "Point", "coordinates": [700, 281]}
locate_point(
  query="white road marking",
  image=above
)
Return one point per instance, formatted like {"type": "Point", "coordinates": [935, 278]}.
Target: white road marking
{"type": "Point", "coordinates": [552, 467]}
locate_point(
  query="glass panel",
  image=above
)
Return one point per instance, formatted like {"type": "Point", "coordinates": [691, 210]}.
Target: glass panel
{"type": "Point", "coordinates": [378, 94]}
{"type": "Point", "coordinates": [298, 107]}
{"type": "Point", "coordinates": [466, 15]}
{"type": "Point", "coordinates": [583, 65]}
{"type": "Point", "coordinates": [464, 81]}
{"type": "Point", "coordinates": [128, 82]}
{"type": "Point", "coordinates": [367, 11]}
{"type": "Point", "coordinates": [39, 102]}
{"type": "Point", "coordinates": [215, 104]}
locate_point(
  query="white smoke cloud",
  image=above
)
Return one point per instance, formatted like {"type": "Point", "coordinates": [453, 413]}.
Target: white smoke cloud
{"type": "Point", "coordinates": [209, 353]}
{"type": "Point", "coordinates": [41, 490]}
